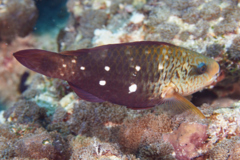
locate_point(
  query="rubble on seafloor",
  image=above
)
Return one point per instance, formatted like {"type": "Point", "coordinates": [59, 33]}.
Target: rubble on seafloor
{"type": "Point", "coordinates": [50, 122]}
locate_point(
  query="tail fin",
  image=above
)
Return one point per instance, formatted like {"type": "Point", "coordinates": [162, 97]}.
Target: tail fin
{"type": "Point", "coordinates": [40, 61]}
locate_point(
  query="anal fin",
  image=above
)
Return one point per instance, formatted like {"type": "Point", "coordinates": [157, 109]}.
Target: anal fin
{"type": "Point", "coordinates": [179, 104]}
{"type": "Point", "coordinates": [85, 95]}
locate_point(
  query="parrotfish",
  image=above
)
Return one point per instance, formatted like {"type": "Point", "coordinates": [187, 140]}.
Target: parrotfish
{"type": "Point", "coordinates": [138, 75]}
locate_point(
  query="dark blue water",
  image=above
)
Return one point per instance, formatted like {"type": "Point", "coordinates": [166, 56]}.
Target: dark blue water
{"type": "Point", "coordinates": [53, 16]}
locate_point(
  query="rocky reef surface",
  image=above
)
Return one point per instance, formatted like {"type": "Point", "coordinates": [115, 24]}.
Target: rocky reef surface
{"type": "Point", "coordinates": [48, 121]}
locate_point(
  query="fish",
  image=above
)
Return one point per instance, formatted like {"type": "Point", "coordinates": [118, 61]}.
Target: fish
{"type": "Point", "coordinates": [138, 75]}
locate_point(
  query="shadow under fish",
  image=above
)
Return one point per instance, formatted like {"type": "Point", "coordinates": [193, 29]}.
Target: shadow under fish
{"type": "Point", "coordinates": [139, 75]}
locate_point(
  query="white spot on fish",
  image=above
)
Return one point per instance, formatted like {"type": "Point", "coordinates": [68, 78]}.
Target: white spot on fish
{"type": "Point", "coordinates": [137, 68]}
{"type": "Point", "coordinates": [166, 57]}
{"type": "Point", "coordinates": [164, 51]}
{"type": "Point", "coordinates": [160, 66]}
{"type": "Point", "coordinates": [74, 61]}
{"type": "Point", "coordinates": [107, 68]}
{"type": "Point", "coordinates": [64, 65]}
{"type": "Point", "coordinates": [82, 68]}
{"type": "Point", "coordinates": [73, 72]}
{"type": "Point", "coordinates": [132, 88]}
{"type": "Point", "coordinates": [62, 74]}
{"type": "Point", "coordinates": [102, 83]}
{"type": "Point", "coordinates": [147, 52]}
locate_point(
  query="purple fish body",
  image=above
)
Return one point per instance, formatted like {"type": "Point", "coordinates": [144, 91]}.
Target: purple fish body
{"type": "Point", "coordinates": [137, 75]}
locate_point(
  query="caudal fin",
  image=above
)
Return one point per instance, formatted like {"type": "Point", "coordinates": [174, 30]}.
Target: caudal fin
{"type": "Point", "coordinates": [40, 61]}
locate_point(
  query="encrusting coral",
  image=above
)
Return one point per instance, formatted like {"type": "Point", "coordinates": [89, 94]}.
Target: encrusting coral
{"type": "Point", "coordinates": [226, 149]}
{"type": "Point", "coordinates": [187, 140]}
{"type": "Point", "coordinates": [17, 18]}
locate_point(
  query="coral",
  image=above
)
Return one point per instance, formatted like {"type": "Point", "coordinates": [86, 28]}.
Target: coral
{"type": "Point", "coordinates": [184, 35]}
{"type": "Point", "coordinates": [42, 145]}
{"type": "Point", "coordinates": [201, 29]}
{"type": "Point", "coordinates": [191, 15]}
{"type": "Point", "coordinates": [225, 123]}
{"type": "Point", "coordinates": [141, 131]}
{"type": "Point", "coordinates": [92, 148]}
{"type": "Point", "coordinates": [16, 18]}
{"type": "Point", "coordinates": [91, 20]}
{"type": "Point", "coordinates": [158, 15]}
{"type": "Point", "coordinates": [210, 11]}
{"type": "Point", "coordinates": [156, 151]}
{"type": "Point", "coordinates": [27, 112]}
{"type": "Point", "coordinates": [60, 127]}
{"type": "Point", "coordinates": [167, 31]}
{"type": "Point", "coordinates": [226, 149]}
{"type": "Point", "coordinates": [234, 49]}
{"type": "Point", "coordinates": [78, 33]}
{"type": "Point", "coordinates": [39, 144]}
{"type": "Point", "coordinates": [187, 140]}
{"type": "Point", "coordinates": [87, 116]}
{"type": "Point", "coordinates": [195, 3]}
{"type": "Point", "coordinates": [231, 13]}
{"type": "Point", "coordinates": [6, 142]}
{"type": "Point", "coordinates": [225, 27]}
{"type": "Point", "coordinates": [49, 121]}
{"type": "Point", "coordinates": [214, 50]}
{"type": "Point", "coordinates": [180, 4]}
{"type": "Point", "coordinates": [31, 142]}
{"type": "Point", "coordinates": [47, 92]}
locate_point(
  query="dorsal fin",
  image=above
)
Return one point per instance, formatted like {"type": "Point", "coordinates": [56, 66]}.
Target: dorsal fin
{"type": "Point", "coordinates": [75, 52]}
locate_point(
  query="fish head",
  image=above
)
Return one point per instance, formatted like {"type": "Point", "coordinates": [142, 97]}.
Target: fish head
{"type": "Point", "coordinates": [197, 72]}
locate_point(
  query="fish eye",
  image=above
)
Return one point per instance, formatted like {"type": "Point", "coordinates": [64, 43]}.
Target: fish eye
{"type": "Point", "coordinates": [201, 68]}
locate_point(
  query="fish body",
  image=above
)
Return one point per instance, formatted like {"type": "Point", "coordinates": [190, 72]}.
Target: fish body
{"type": "Point", "coordinates": [138, 74]}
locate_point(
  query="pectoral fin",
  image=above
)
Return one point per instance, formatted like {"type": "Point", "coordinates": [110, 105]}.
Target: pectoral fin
{"type": "Point", "coordinates": [85, 95]}
{"type": "Point", "coordinates": [180, 104]}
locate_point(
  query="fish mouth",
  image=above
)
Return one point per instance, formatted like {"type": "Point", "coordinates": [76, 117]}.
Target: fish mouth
{"type": "Point", "coordinates": [212, 80]}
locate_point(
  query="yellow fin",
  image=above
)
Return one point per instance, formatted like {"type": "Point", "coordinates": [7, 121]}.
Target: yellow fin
{"type": "Point", "coordinates": [181, 104]}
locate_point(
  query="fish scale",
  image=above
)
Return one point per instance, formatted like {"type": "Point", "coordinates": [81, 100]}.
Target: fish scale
{"type": "Point", "coordinates": [138, 75]}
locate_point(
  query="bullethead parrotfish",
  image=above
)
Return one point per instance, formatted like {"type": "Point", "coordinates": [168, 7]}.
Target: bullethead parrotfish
{"type": "Point", "coordinates": [138, 75]}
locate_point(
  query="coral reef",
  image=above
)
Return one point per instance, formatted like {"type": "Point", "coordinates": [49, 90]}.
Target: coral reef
{"type": "Point", "coordinates": [16, 18]}
{"type": "Point", "coordinates": [187, 140]}
{"type": "Point", "coordinates": [141, 131]}
{"type": "Point", "coordinates": [77, 129]}
{"type": "Point", "coordinates": [210, 11]}
{"type": "Point", "coordinates": [234, 49]}
{"type": "Point", "coordinates": [11, 70]}
{"type": "Point", "coordinates": [214, 50]}
{"type": "Point", "coordinates": [191, 15]}
{"type": "Point", "coordinates": [27, 112]}
{"type": "Point", "coordinates": [156, 151]}
{"type": "Point", "coordinates": [48, 120]}
{"type": "Point", "coordinates": [32, 142]}
{"type": "Point", "coordinates": [226, 149]}
{"type": "Point", "coordinates": [92, 148]}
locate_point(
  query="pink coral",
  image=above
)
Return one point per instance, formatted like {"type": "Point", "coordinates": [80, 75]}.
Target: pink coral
{"type": "Point", "coordinates": [187, 140]}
